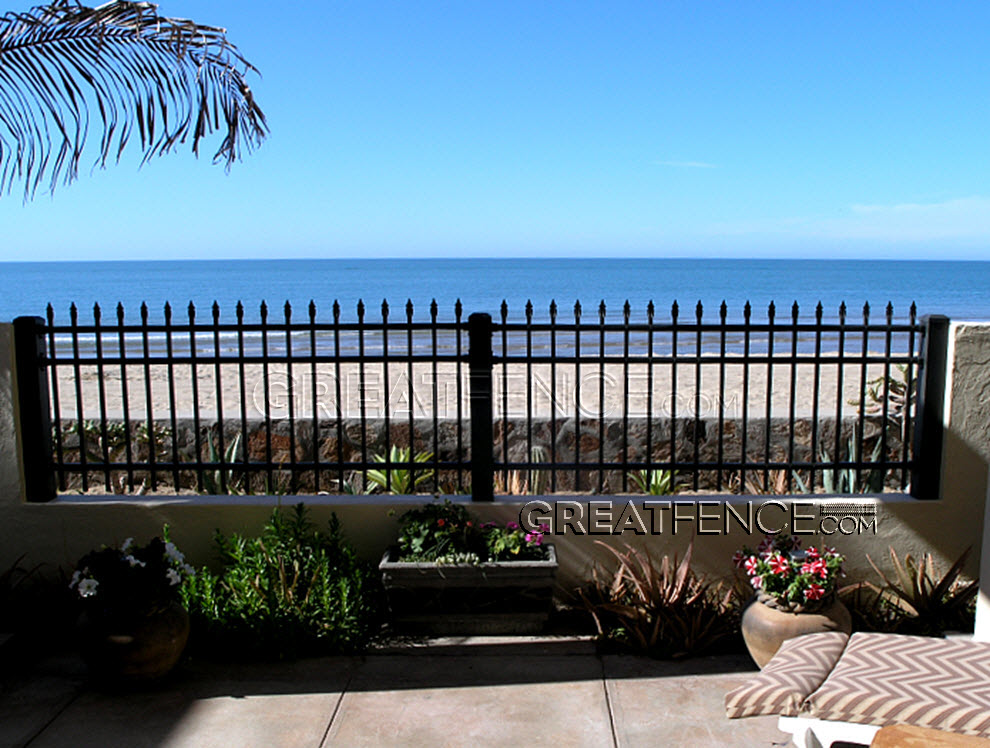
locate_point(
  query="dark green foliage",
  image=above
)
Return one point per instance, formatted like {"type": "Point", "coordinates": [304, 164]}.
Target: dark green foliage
{"type": "Point", "coordinates": [916, 599]}
{"type": "Point", "coordinates": [446, 533]}
{"type": "Point", "coordinates": [293, 591]}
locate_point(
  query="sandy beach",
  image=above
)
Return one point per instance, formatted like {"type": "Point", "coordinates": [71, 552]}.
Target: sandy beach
{"type": "Point", "coordinates": [591, 390]}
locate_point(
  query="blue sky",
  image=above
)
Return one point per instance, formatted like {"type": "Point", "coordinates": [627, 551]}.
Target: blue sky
{"type": "Point", "coordinates": [501, 128]}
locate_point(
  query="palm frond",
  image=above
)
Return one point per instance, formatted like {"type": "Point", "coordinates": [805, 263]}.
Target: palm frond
{"type": "Point", "coordinates": [167, 79]}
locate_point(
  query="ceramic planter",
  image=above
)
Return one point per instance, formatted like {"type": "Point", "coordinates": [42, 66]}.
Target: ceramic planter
{"type": "Point", "coordinates": [506, 597]}
{"type": "Point", "coordinates": [765, 628]}
{"type": "Point", "coordinates": [142, 647]}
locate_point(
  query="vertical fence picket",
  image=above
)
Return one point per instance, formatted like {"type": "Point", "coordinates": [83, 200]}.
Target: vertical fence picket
{"type": "Point", "coordinates": [218, 390]}
{"type": "Point", "coordinates": [601, 397]}
{"type": "Point", "coordinates": [173, 415]}
{"type": "Point", "coordinates": [434, 310]}
{"type": "Point", "coordinates": [314, 392]}
{"type": "Point", "coordinates": [672, 416]}
{"type": "Point", "coordinates": [697, 436]}
{"type": "Point", "coordinates": [839, 389]}
{"type": "Point", "coordinates": [194, 374]}
{"type": "Point", "coordinates": [149, 400]}
{"type": "Point", "coordinates": [744, 431]}
{"type": "Point", "coordinates": [125, 400]}
{"type": "Point", "coordinates": [792, 401]}
{"type": "Point", "coordinates": [267, 401]}
{"type": "Point", "coordinates": [722, 314]}
{"type": "Point", "coordinates": [290, 395]}
{"type": "Point", "coordinates": [553, 395]}
{"type": "Point", "coordinates": [626, 311]}
{"type": "Point", "coordinates": [56, 404]}
{"type": "Point", "coordinates": [909, 384]}
{"type": "Point", "coordinates": [241, 381]}
{"type": "Point", "coordinates": [101, 388]}
{"type": "Point", "coordinates": [768, 430]}
{"type": "Point", "coordinates": [816, 390]}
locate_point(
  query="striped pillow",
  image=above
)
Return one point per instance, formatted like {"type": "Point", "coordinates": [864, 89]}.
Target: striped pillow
{"type": "Point", "coordinates": [796, 670]}
{"type": "Point", "coordinates": [885, 679]}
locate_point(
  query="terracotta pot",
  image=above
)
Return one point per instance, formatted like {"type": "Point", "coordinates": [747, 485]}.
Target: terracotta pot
{"type": "Point", "coordinates": [764, 628]}
{"type": "Point", "coordinates": [140, 647]}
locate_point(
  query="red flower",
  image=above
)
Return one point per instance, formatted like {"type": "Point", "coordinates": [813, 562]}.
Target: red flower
{"type": "Point", "coordinates": [751, 563]}
{"type": "Point", "coordinates": [441, 522]}
{"type": "Point", "coordinates": [812, 553]}
{"type": "Point", "coordinates": [470, 523]}
{"type": "Point", "coordinates": [737, 559]}
{"type": "Point", "coordinates": [779, 564]}
{"type": "Point", "coordinates": [818, 567]}
{"type": "Point", "coordinates": [814, 592]}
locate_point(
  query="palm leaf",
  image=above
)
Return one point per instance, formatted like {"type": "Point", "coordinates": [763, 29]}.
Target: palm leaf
{"type": "Point", "coordinates": [167, 79]}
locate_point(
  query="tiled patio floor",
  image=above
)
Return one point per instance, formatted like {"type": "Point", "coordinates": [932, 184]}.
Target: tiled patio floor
{"type": "Point", "coordinates": [479, 692]}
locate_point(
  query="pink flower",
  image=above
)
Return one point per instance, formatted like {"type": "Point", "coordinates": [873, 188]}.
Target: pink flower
{"type": "Point", "coordinates": [512, 525]}
{"type": "Point", "coordinates": [814, 592]}
{"type": "Point", "coordinates": [536, 538]}
{"type": "Point", "coordinates": [544, 527]}
{"type": "Point", "coordinates": [779, 565]}
{"type": "Point", "coordinates": [756, 581]}
{"type": "Point", "coordinates": [750, 564]}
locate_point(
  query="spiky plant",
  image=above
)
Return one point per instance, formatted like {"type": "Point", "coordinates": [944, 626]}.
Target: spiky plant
{"type": "Point", "coordinates": [167, 80]}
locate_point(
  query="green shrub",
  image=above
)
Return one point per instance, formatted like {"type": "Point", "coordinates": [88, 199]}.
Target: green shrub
{"type": "Point", "coordinates": [292, 591]}
{"type": "Point", "coordinates": [444, 532]}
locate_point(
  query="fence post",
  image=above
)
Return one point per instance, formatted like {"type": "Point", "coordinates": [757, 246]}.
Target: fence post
{"type": "Point", "coordinates": [926, 473]}
{"type": "Point", "coordinates": [480, 360]}
{"type": "Point", "coordinates": [35, 415]}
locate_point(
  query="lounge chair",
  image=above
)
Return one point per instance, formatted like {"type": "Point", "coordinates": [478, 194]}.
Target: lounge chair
{"type": "Point", "coordinates": [831, 687]}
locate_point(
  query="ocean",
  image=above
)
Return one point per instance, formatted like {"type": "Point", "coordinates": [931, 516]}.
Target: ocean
{"type": "Point", "coordinates": [960, 290]}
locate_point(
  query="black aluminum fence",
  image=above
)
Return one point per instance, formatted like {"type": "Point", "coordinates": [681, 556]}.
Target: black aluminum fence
{"type": "Point", "coordinates": [539, 404]}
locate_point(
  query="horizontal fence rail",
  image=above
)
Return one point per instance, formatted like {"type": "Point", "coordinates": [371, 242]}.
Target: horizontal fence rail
{"type": "Point", "coordinates": [431, 402]}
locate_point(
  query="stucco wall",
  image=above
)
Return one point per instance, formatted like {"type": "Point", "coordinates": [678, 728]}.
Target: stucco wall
{"type": "Point", "coordinates": [59, 532]}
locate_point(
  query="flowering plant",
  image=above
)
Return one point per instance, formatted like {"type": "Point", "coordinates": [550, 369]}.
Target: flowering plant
{"type": "Point", "coordinates": [790, 578]}
{"type": "Point", "coordinates": [446, 533]}
{"type": "Point", "coordinates": [131, 579]}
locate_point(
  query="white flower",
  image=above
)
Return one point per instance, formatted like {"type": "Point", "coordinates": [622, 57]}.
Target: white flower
{"type": "Point", "coordinates": [87, 587]}
{"type": "Point", "coordinates": [76, 576]}
{"type": "Point", "coordinates": [133, 561]}
{"type": "Point", "coordinates": [173, 577]}
{"type": "Point", "coordinates": [189, 570]}
{"type": "Point", "coordinates": [127, 544]}
{"type": "Point", "coordinates": [174, 553]}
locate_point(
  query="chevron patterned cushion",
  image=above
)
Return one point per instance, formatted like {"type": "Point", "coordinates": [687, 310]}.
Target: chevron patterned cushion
{"type": "Point", "coordinates": [797, 669]}
{"type": "Point", "coordinates": [885, 679]}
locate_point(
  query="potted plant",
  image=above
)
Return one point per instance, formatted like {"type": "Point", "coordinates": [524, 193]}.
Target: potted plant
{"type": "Point", "coordinates": [134, 625]}
{"type": "Point", "coordinates": [451, 574]}
{"type": "Point", "coordinates": [795, 594]}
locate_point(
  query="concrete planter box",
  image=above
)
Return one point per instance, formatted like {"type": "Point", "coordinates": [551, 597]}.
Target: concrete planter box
{"type": "Point", "coordinates": [507, 597]}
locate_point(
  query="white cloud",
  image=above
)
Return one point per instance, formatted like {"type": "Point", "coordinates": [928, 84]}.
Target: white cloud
{"type": "Point", "coordinates": [686, 164]}
{"type": "Point", "coordinates": [965, 218]}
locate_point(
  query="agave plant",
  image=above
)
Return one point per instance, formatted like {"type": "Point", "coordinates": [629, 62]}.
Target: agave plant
{"type": "Point", "coordinates": [224, 481]}
{"type": "Point", "coordinates": [167, 80]}
{"type": "Point", "coordinates": [847, 480]}
{"type": "Point", "coordinates": [655, 482]}
{"type": "Point", "coordinates": [929, 603]}
{"type": "Point", "coordinates": [396, 477]}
